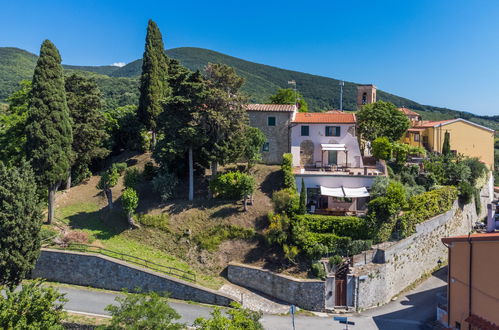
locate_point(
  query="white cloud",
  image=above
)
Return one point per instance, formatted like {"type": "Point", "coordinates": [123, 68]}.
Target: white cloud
{"type": "Point", "coordinates": [119, 64]}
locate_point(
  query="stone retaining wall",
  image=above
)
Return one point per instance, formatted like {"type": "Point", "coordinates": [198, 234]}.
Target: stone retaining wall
{"type": "Point", "coordinates": [98, 271]}
{"type": "Point", "coordinates": [307, 294]}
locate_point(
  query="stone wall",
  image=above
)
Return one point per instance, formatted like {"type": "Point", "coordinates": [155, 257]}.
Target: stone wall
{"type": "Point", "coordinates": [88, 269]}
{"type": "Point", "coordinates": [277, 136]}
{"type": "Point", "coordinates": [307, 294]}
{"type": "Point", "coordinates": [404, 262]}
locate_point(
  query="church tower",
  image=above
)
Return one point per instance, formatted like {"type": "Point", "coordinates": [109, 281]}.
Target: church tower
{"type": "Point", "coordinates": [365, 94]}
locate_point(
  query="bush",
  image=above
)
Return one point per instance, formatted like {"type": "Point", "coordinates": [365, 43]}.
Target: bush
{"type": "Point", "coordinates": [317, 270]}
{"type": "Point", "coordinates": [150, 171]}
{"type": "Point", "coordinates": [466, 191]}
{"type": "Point", "coordinates": [212, 238]}
{"type": "Point", "coordinates": [120, 167]}
{"type": "Point", "coordinates": [379, 186]}
{"type": "Point", "coordinates": [290, 252]}
{"type": "Point", "coordinates": [285, 200]}
{"type": "Point", "coordinates": [353, 227]}
{"type": "Point", "coordinates": [478, 204]}
{"type": "Point", "coordinates": [132, 177]}
{"type": "Point", "coordinates": [278, 231]}
{"type": "Point", "coordinates": [413, 191]}
{"type": "Point", "coordinates": [425, 206]}
{"type": "Point", "coordinates": [47, 234]}
{"type": "Point", "coordinates": [234, 318]}
{"type": "Point", "coordinates": [359, 246]}
{"type": "Point", "coordinates": [335, 261]}
{"type": "Point", "coordinates": [154, 220]}
{"type": "Point", "coordinates": [232, 185]}
{"type": "Point", "coordinates": [164, 184]}
{"type": "Point", "coordinates": [287, 169]}
{"type": "Point", "coordinates": [75, 236]}
{"type": "Point", "coordinates": [130, 200]}
{"type": "Point", "coordinates": [382, 148]}
{"type": "Point", "coordinates": [477, 169]}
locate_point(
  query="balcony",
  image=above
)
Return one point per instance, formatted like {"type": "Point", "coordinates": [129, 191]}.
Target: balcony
{"type": "Point", "coordinates": [340, 170]}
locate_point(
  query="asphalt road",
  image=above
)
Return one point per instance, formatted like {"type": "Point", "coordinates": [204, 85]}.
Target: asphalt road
{"type": "Point", "coordinates": [411, 311]}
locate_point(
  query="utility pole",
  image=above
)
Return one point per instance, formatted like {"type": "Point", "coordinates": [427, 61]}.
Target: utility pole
{"type": "Point", "coordinates": [342, 83]}
{"type": "Point", "coordinates": [293, 82]}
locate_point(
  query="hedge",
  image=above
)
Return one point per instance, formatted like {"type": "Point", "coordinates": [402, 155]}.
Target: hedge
{"type": "Point", "coordinates": [353, 227]}
{"type": "Point", "coordinates": [424, 206]}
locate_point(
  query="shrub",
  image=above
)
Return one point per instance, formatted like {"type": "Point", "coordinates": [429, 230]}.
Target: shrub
{"type": "Point", "coordinates": [150, 171]}
{"type": "Point", "coordinates": [477, 169]}
{"type": "Point", "coordinates": [358, 246]}
{"type": "Point", "coordinates": [382, 148]}
{"type": "Point", "coordinates": [212, 238]}
{"type": "Point", "coordinates": [74, 236]}
{"type": "Point", "coordinates": [413, 191]}
{"type": "Point", "coordinates": [120, 167]}
{"type": "Point", "coordinates": [290, 252]}
{"type": "Point", "coordinates": [466, 191]}
{"type": "Point", "coordinates": [287, 169]}
{"type": "Point", "coordinates": [379, 186]}
{"type": "Point", "coordinates": [278, 229]}
{"type": "Point", "coordinates": [317, 270]}
{"type": "Point", "coordinates": [234, 318]}
{"type": "Point", "coordinates": [232, 185]}
{"type": "Point", "coordinates": [47, 234]}
{"type": "Point", "coordinates": [354, 227]}
{"type": "Point", "coordinates": [154, 220]}
{"type": "Point", "coordinates": [164, 184]}
{"type": "Point", "coordinates": [130, 200]}
{"type": "Point", "coordinates": [132, 177]}
{"type": "Point", "coordinates": [478, 204]}
{"type": "Point", "coordinates": [285, 200]}
{"type": "Point", "coordinates": [335, 261]}
{"type": "Point", "coordinates": [425, 206]}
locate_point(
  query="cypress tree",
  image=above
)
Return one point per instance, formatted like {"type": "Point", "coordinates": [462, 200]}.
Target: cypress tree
{"type": "Point", "coordinates": [48, 128]}
{"type": "Point", "coordinates": [85, 103]}
{"type": "Point", "coordinates": [446, 144]}
{"type": "Point", "coordinates": [20, 222]}
{"type": "Point", "coordinates": [153, 80]}
{"type": "Point", "coordinates": [302, 208]}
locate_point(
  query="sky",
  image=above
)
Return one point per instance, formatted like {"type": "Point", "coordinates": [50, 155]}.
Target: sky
{"type": "Point", "coordinates": [436, 52]}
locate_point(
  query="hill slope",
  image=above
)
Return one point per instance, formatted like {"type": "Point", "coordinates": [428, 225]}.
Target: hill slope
{"type": "Point", "coordinates": [119, 85]}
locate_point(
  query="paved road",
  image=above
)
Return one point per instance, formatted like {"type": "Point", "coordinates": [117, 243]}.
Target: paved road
{"type": "Point", "coordinates": [411, 311]}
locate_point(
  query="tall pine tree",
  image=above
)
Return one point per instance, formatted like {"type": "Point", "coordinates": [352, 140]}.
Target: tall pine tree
{"type": "Point", "coordinates": [20, 222]}
{"type": "Point", "coordinates": [88, 125]}
{"type": "Point", "coordinates": [153, 81]}
{"type": "Point", "coordinates": [48, 128]}
{"type": "Point", "coordinates": [446, 145]}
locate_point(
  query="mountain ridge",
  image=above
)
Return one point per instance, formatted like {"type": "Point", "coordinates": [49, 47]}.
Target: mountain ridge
{"type": "Point", "coordinates": [119, 84]}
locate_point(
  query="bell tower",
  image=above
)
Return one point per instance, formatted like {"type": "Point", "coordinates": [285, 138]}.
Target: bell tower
{"type": "Point", "coordinates": [365, 94]}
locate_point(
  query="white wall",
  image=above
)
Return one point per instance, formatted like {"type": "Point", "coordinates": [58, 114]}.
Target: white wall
{"type": "Point", "coordinates": [317, 136]}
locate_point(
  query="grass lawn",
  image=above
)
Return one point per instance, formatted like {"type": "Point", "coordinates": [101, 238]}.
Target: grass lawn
{"type": "Point", "coordinates": [109, 230]}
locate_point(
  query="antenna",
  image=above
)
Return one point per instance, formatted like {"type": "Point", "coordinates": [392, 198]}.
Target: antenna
{"type": "Point", "coordinates": [342, 83]}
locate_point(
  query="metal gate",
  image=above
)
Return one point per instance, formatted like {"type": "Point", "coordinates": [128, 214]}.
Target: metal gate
{"type": "Point", "coordinates": [341, 292]}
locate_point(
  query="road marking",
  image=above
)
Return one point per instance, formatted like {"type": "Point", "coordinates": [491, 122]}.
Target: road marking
{"type": "Point", "coordinates": [88, 314]}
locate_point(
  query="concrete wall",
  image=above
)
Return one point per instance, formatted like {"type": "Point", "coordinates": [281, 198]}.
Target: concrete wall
{"type": "Point", "coordinates": [407, 260]}
{"type": "Point", "coordinates": [277, 136]}
{"type": "Point", "coordinates": [307, 294]}
{"type": "Point", "coordinates": [88, 269]}
{"type": "Point", "coordinates": [317, 137]}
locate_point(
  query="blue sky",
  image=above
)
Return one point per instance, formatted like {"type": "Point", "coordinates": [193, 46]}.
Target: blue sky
{"type": "Point", "coordinates": [442, 53]}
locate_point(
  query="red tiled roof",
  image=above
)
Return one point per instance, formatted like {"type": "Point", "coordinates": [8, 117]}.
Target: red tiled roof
{"type": "Point", "coordinates": [408, 112]}
{"type": "Point", "coordinates": [474, 237]}
{"type": "Point", "coordinates": [270, 107]}
{"type": "Point", "coordinates": [325, 118]}
{"type": "Point", "coordinates": [429, 123]}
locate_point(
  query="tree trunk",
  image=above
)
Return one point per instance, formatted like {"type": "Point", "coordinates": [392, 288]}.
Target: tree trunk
{"type": "Point", "coordinates": [214, 173]}
{"type": "Point", "coordinates": [109, 195]}
{"type": "Point", "coordinates": [68, 182]}
{"type": "Point", "coordinates": [191, 176]}
{"type": "Point", "coordinates": [132, 223]}
{"type": "Point", "coordinates": [51, 199]}
{"type": "Point", "coordinates": [245, 203]}
{"type": "Point", "coordinates": [153, 140]}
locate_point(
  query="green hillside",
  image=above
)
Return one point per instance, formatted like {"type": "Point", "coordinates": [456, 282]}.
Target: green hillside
{"type": "Point", "coordinates": [119, 85]}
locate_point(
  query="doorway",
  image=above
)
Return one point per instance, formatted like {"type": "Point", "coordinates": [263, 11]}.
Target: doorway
{"type": "Point", "coordinates": [332, 157]}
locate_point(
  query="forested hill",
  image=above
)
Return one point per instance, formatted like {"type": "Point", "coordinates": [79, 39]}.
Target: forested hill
{"type": "Point", "coordinates": [119, 85]}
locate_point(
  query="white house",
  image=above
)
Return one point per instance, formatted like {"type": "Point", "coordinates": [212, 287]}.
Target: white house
{"type": "Point", "coordinates": [326, 155]}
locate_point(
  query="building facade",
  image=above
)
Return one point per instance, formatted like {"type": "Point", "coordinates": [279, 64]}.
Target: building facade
{"type": "Point", "coordinates": [274, 121]}
{"type": "Point", "coordinates": [472, 287]}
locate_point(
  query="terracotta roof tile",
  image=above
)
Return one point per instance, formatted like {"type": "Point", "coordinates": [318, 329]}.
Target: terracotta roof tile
{"type": "Point", "coordinates": [270, 107]}
{"type": "Point", "coordinates": [408, 112]}
{"type": "Point", "coordinates": [325, 118]}
{"type": "Point", "coordinates": [494, 236]}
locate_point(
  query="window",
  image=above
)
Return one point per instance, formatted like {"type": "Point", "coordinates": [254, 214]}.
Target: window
{"type": "Point", "coordinates": [271, 121]}
{"type": "Point", "coordinates": [333, 130]}
{"type": "Point", "coordinates": [364, 98]}
{"type": "Point", "coordinates": [265, 146]}
{"type": "Point", "coordinates": [304, 130]}
{"type": "Point", "coordinates": [416, 137]}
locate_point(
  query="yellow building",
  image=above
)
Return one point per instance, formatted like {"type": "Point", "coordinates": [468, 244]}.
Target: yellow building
{"type": "Point", "coordinates": [466, 138]}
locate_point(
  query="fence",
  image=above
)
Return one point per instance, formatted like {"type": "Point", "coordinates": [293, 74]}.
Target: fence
{"type": "Point", "coordinates": [185, 275]}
